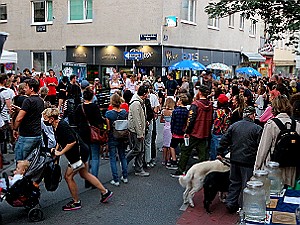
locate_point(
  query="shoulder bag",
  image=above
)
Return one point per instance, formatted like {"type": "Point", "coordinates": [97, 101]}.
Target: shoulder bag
{"type": "Point", "coordinates": [95, 135]}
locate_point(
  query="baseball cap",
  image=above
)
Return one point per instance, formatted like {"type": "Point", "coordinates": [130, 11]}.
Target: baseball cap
{"type": "Point", "coordinates": [248, 110]}
{"type": "Point", "coordinates": [84, 84]}
{"type": "Point", "coordinates": [222, 98]}
{"type": "Point", "coordinates": [96, 79]}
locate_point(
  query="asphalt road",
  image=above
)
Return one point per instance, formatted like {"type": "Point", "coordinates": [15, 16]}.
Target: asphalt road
{"type": "Point", "coordinates": [144, 200]}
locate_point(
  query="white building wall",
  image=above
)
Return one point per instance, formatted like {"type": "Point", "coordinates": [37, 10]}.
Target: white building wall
{"type": "Point", "coordinates": [121, 22]}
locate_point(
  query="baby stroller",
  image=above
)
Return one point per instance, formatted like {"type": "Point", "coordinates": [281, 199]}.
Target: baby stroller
{"type": "Point", "coordinates": [25, 192]}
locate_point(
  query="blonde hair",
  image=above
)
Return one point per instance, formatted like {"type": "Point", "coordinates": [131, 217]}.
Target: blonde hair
{"type": "Point", "coordinates": [51, 112]}
{"type": "Point", "coordinates": [281, 104]}
{"type": "Point", "coordinates": [116, 100]}
{"type": "Point", "coordinates": [170, 103]}
{"type": "Point", "coordinates": [24, 163]}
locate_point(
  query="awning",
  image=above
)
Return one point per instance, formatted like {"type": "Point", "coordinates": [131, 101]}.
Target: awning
{"type": "Point", "coordinates": [254, 56]}
{"type": "Point", "coordinates": [8, 57]}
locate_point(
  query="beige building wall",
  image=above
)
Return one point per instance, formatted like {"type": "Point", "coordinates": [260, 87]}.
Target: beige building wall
{"type": "Point", "coordinates": [121, 22]}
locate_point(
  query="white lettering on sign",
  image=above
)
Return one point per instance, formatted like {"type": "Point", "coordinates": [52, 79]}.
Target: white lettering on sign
{"type": "Point", "coordinates": [79, 55]}
{"type": "Point", "coordinates": [146, 55]}
{"type": "Point", "coordinates": [190, 56]}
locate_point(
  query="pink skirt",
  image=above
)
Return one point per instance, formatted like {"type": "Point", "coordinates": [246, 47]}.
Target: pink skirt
{"type": "Point", "coordinates": [167, 135]}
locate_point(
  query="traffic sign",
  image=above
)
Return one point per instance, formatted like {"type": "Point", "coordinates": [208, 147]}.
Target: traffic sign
{"type": "Point", "coordinates": [133, 55]}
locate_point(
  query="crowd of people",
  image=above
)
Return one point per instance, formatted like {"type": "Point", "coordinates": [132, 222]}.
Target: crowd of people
{"type": "Point", "coordinates": [202, 117]}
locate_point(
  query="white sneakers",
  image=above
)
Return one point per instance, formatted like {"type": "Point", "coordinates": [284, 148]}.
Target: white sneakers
{"type": "Point", "coordinates": [112, 182]}
{"type": "Point", "coordinates": [124, 180]}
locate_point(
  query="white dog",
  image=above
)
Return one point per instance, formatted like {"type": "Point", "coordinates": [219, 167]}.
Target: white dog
{"type": "Point", "coordinates": [193, 180]}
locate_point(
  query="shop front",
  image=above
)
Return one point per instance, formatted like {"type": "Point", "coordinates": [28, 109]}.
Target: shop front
{"type": "Point", "coordinates": [172, 55]}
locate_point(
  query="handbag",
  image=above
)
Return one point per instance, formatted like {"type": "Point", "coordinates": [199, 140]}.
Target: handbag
{"type": "Point", "coordinates": [95, 132]}
{"type": "Point", "coordinates": [77, 165]}
{"type": "Point", "coordinates": [52, 176]}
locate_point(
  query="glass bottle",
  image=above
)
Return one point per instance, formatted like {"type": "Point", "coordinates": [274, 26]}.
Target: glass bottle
{"type": "Point", "coordinates": [275, 177]}
{"type": "Point", "coordinates": [262, 175]}
{"type": "Point", "coordinates": [254, 201]}
{"type": "Point", "coordinates": [297, 212]}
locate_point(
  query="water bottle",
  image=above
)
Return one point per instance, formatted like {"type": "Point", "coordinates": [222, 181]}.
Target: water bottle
{"type": "Point", "coordinates": [275, 177]}
{"type": "Point", "coordinates": [262, 175]}
{"type": "Point", "coordinates": [254, 201]}
{"type": "Point", "coordinates": [297, 212]}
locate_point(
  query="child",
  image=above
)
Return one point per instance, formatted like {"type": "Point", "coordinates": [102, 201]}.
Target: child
{"type": "Point", "coordinates": [178, 125]}
{"type": "Point", "coordinates": [22, 166]}
{"type": "Point", "coordinates": [166, 116]}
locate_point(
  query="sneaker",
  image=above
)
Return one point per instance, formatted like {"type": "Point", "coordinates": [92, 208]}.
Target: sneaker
{"type": "Point", "coordinates": [176, 174]}
{"type": "Point", "coordinates": [124, 180]}
{"type": "Point", "coordinates": [106, 196]}
{"type": "Point", "coordinates": [112, 182]}
{"type": "Point", "coordinates": [172, 167]}
{"type": "Point", "coordinates": [72, 206]}
{"type": "Point", "coordinates": [168, 163]}
{"type": "Point", "coordinates": [142, 174]}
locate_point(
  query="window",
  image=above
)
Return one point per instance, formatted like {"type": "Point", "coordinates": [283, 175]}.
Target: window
{"type": "Point", "coordinates": [252, 30]}
{"type": "Point", "coordinates": [231, 21]}
{"type": "Point", "coordinates": [3, 13]}
{"type": "Point", "coordinates": [189, 10]}
{"type": "Point", "coordinates": [42, 61]}
{"type": "Point", "coordinates": [242, 22]}
{"type": "Point", "coordinates": [213, 22]}
{"type": "Point", "coordinates": [42, 12]}
{"type": "Point", "coordinates": [81, 10]}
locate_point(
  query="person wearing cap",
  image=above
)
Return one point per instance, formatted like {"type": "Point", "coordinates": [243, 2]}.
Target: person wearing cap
{"type": "Point", "coordinates": [97, 86]}
{"type": "Point", "coordinates": [221, 122]}
{"type": "Point", "coordinates": [242, 138]}
{"type": "Point", "coordinates": [198, 129]}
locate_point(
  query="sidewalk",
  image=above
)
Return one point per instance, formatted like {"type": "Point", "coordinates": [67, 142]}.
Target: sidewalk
{"type": "Point", "coordinates": [198, 215]}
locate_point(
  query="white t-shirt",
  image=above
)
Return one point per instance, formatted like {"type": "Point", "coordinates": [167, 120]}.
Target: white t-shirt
{"type": "Point", "coordinates": [131, 86]}
{"type": "Point", "coordinates": [5, 95]}
{"type": "Point", "coordinates": [114, 84]}
{"type": "Point", "coordinates": [153, 100]}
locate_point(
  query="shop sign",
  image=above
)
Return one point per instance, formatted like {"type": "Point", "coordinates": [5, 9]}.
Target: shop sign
{"type": "Point", "coordinates": [190, 56]}
{"type": "Point", "coordinates": [170, 56]}
{"type": "Point", "coordinates": [109, 56]}
{"type": "Point", "coordinates": [79, 55]}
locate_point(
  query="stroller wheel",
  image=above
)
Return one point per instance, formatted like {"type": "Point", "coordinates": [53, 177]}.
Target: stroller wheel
{"type": "Point", "coordinates": [35, 215]}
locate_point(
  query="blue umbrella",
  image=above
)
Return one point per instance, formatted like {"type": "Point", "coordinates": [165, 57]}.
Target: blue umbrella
{"type": "Point", "coordinates": [249, 71]}
{"type": "Point", "coordinates": [187, 65]}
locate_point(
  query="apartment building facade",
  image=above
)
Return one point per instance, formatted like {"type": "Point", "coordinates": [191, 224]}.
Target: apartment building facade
{"type": "Point", "coordinates": [48, 33]}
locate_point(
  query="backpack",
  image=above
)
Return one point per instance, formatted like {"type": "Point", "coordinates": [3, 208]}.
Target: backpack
{"type": "Point", "coordinates": [52, 176]}
{"type": "Point", "coordinates": [120, 128]}
{"type": "Point", "coordinates": [287, 145]}
{"type": "Point", "coordinates": [221, 121]}
{"type": "Point", "coordinates": [69, 111]}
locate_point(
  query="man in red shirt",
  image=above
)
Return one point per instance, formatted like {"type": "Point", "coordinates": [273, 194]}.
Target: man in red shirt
{"type": "Point", "coordinates": [51, 83]}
